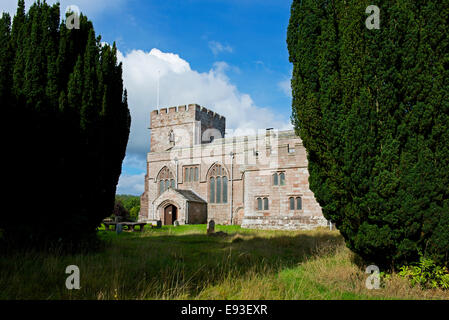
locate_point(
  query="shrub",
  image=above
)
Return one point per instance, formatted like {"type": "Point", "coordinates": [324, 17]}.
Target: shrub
{"type": "Point", "coordinates": [426, 274]}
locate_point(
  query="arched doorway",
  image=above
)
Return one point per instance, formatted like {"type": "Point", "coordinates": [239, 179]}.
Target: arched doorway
{"type": "Point", "coordinates": [170, 214]}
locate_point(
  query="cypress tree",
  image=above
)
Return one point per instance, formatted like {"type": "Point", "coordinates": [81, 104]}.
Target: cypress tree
{"type": "Point", "coordinates": [5, 58]}
{"type": "Point", "coordinates": [371, 107]}
{"type": "Point", "coordinates": [68, 100]}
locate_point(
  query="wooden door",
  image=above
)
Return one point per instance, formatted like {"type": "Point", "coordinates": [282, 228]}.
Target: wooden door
{"type": "Point", "coordinates": [170, 215]}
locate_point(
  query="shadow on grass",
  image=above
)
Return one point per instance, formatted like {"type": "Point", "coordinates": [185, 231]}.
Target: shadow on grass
{"type": "Point", "coordinates": [163, 263]}
{"type": "Point", "coordinates": [198, 260]}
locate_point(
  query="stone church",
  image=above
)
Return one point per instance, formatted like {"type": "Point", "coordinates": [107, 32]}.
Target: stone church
{"type": "Point", "coordinates": [195, 174]}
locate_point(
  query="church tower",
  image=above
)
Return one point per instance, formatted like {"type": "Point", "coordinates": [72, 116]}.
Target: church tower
{"type": "Point", "coordinates": [184, 126]}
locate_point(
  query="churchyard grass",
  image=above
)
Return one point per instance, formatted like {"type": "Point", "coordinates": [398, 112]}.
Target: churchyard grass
{"type": "Point", "coordinates": [185, 263]}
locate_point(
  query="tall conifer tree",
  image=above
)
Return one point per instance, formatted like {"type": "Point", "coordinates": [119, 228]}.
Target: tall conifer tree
{"type": "Point", "coordinates": [73, 129]}
{"type": "Point", "coordinates": [372, 108]}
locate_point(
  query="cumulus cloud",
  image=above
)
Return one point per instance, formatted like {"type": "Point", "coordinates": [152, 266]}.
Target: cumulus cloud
{"type": "Point", "coordinates": [131, 184]}
{"type": "Point", "coordinates": [180, 85]}
{"type": "Point", "coordinates": [216, 47]}
{"type": "Point", "coordinates": [285, 86]}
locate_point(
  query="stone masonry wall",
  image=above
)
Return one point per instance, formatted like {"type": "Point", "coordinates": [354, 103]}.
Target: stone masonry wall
{"type": "Point", "coordinates": [256, 159]}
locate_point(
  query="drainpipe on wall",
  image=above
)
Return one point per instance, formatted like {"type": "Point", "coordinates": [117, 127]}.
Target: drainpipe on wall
{"type": "Point", "coordinates": [176, 184]}
{"type": "Point", "coordinates": [232, 185]}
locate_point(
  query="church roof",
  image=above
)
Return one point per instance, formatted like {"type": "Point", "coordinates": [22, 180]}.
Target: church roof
{"type": "Point", "coordinates": [190, 195]}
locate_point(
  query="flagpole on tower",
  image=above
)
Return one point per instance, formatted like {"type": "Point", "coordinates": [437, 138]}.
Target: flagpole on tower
{"type": "Point", "coordinates": [158, 76]}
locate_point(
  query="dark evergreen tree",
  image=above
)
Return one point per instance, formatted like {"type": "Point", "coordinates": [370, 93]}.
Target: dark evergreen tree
{"type": "Point", "coordinates": [6, 55]}
{"type": "Point", "coordinates": [372, 109]}
{"type": "Point", "coordinates": [70, 127]}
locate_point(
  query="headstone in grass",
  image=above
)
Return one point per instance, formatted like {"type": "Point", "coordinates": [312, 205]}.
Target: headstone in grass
{"type": "Point", "coordinates": [211, 227]}
{"type": "Point", "coordinates": [119, 228]}
{"type": "Point", "coordinates": [176, 223]}
{"type": "Point", "coordinates": [159, 224]}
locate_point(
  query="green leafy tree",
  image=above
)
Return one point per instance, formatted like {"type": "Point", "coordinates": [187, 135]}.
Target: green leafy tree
{"type": "Point", "coordinates": [131, 204]}
{"type": "Point", "coordinates": [372, 109]}
{"type": "Point", "coordinates": [64, 91]}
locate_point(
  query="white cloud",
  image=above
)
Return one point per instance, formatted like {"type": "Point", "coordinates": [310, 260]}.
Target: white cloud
{"type": "Point", "coordinates": [131, 184]}
{"type": "Point", "coordinates": [134, 161]}
{"type": "Point", "coordinates": [285, 86]}
{"type": "Point", "coordinates": [180, 85]}
{"type": "Point", "coordinates": [217, 47]}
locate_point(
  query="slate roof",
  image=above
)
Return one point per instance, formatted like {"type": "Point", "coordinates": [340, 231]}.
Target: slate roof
{"type": "Point", "coordinates": [190, 195]}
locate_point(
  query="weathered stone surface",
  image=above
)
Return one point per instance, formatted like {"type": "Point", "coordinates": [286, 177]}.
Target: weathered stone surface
{"type": "Point", "coordinates": [256, 158]}
{"type": "Point", "coordinates": [211, 227]}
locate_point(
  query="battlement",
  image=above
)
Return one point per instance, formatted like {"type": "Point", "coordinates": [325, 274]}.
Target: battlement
{"type": "Point", "coordinates": [191, 108]}
{"type": "Point", "coordinates": [192, 120]}
{"type": "Point", "coordinates": [184, 113]}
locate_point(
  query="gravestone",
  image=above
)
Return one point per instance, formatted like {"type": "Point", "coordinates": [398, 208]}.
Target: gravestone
{"type": "Point", "coordinates": [176, 223]}
{"type": "Point", "coordinates": [118, 228]}
{"type": "Point", "coordinates": [159, 224]}
{"type": "Point", "coordinates": [211, 227]}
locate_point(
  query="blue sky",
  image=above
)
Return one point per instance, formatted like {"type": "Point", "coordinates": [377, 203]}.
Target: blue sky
{"type": "Point", "coordinates": [229, 56]}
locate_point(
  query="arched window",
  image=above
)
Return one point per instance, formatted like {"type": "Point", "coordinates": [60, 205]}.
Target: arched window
{"type": "Point", "coordinates": [165, 179]}
{"type": "Point", "coordinates": [292, 203]}
{"type": "Point", "coordinates": [191, 174]}
{"type": "Point", "coordinates": [259, 203]}
{"type": "Point", "coordinates": [279, 178]}
{"type": "Point", "coordinates": [282, 178]}
{"type": "Point", "coordinates": [218, 190]}
{"type": "Point", "coordinates": [196, 173]}
{"type": "Point", "coordinates": [262, 203]}
{"type": "Point", "coordinates": [295, 203]}
{"type": "Point", "coordinates": [298, 203]}
{"type": "Point", "coordinates": [186, 175]}
{"type": "Point", "coordinates": [171, 136]}
{"type": "Point", "coordinates": [275, 179]}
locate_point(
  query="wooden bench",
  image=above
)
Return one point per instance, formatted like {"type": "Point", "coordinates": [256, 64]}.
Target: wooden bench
{"type": "Point", "coordinates": [130, 225]}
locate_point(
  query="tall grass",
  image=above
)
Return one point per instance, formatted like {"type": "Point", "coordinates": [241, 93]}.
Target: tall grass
{"type": "Point", "coordinates": [185, 263]}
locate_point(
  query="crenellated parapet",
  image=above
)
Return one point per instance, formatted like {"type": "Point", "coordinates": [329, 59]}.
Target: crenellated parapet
{"type": "Point", "coordinates": [188, 122]}
{"type": "Point", "coordinates": [186, 113]}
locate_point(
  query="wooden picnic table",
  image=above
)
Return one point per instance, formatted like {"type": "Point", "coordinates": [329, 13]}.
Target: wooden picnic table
{"type": "Point", "coordinates": [129, 225]}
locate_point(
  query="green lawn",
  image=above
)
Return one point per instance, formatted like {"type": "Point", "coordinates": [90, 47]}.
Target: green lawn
{"type": "Point", "coordinates": [184, 263]}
